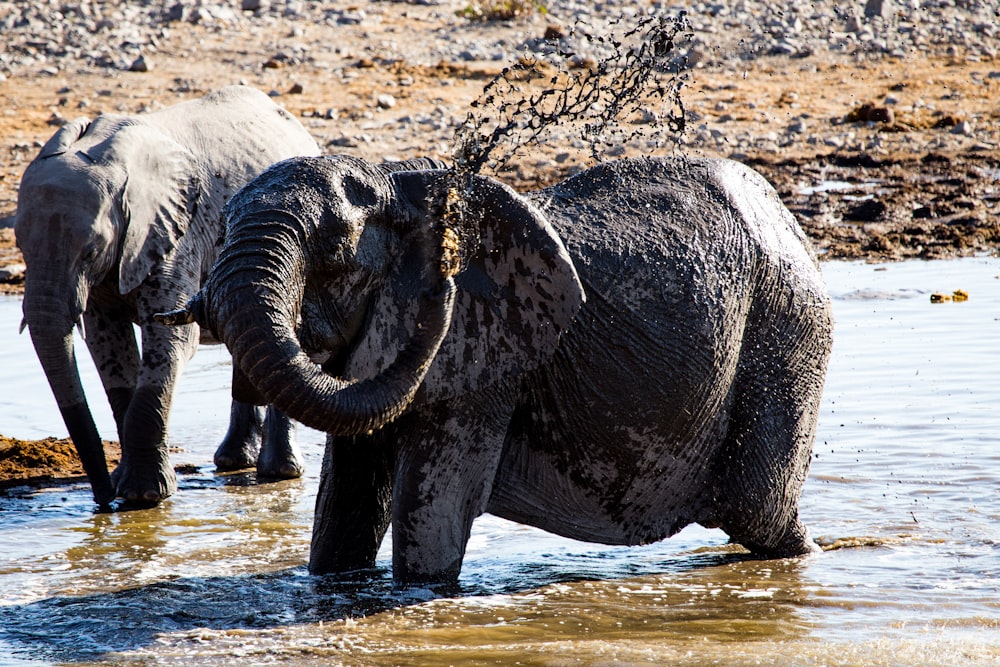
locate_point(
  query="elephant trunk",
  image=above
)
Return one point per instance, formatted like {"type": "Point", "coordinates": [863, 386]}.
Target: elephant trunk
{"type": "Point", "coordinates": [52, 336]}
{"type": "Point", "coordinates": [252, 303]}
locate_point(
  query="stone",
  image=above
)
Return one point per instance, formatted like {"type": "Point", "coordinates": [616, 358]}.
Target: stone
{"type": "Point", "coordinates": [12, 273]}
{"type": "Point", "coordinates": [140, 64]}
{"type": "Point", "coordinates": [869, 113]}
{"type": "Point", "coordinates": [963, 127]}
{"type": "Point", "coordinates": [553, 32]}
{"type": "Point", "coordinates": [878, 8]}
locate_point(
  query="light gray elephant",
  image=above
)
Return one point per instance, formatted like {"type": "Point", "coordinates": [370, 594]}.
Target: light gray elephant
{"type": "Point", "coordinates": [119, 218]}
{"type": "Point", "coordinates": [637, 348]}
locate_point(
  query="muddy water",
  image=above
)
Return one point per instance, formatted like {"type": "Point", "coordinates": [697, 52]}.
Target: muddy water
{"type": "Point", "coordinates": [905, 481]}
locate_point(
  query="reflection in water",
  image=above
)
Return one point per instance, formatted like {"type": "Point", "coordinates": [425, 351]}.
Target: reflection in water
{"type": "Point", "coordinates": [903, 484]}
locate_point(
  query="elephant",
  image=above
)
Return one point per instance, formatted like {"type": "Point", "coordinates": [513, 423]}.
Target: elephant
{"type": "Point", "coordinates": [119, 218]}
{"type": "Point", "coordinates": [639, 347]}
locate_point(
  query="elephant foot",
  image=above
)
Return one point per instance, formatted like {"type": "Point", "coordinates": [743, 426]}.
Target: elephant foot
{"type": "Point", "coordinates": [280, 457]}
{"type": "Point", "coordinates": [789, 541]}
{"type": "Point", "coordinates": [286, 470]}
{"type": "Point", "coordinates": [227, 461]}
{"type": "Point", "coordinates": [280, 461]}
{"type": "Point", "coordinates": [145, 478]}
{"type": "Point", "coordinates": [241, 445]}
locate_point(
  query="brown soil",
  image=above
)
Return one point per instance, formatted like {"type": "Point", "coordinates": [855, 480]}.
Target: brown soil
{"type": "Point", "coordinates": [44, 462]}
{"type": "Point", "coordinates": [918, 189]}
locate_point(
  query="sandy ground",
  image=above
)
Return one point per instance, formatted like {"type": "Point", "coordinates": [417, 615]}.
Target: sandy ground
{"type": "Point", "coordinates": [925, 185]}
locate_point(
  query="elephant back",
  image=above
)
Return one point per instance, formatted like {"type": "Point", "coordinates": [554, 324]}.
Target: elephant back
{"type": "Point", "coordinates": [698, 216]}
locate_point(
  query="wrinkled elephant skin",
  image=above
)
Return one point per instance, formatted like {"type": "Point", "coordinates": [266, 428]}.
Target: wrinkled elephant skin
{"type": "Point", "coordinates": [640, 347]}
{"type": "Point", "coordinates": [118, 218]}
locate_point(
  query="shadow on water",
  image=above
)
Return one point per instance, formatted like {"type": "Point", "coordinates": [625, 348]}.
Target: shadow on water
{"type": "Point", "coordinates": [91, 627]}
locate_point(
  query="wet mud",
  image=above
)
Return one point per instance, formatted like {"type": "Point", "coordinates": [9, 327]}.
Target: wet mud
{"type": "Point", "coordinates": [43, 463]}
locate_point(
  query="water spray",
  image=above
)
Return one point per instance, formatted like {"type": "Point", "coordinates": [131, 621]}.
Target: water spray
{"type": "Point", "coordinates": [549, 88]}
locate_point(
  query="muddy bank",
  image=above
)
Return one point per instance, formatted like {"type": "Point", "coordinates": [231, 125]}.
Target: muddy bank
{"type": "Point", "coordinates": [932, 206]}
{"type": "Point", "coordinates": [877, 123]}
{"type": "Point", "coordinates": [47, 462]}
{"type": "Point", "coordinates": [879, 129]}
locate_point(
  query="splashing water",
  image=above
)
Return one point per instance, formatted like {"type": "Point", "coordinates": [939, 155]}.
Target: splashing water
{"type": "Point", "coordinates": [643, 64]}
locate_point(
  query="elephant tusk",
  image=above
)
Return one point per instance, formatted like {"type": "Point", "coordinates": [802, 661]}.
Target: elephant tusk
{"type": "Point", "coordinates": [175, 318]}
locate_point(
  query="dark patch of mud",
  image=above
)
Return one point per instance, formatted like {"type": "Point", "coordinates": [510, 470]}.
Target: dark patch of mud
{"type": "Point", "coordinates": [930, 206]}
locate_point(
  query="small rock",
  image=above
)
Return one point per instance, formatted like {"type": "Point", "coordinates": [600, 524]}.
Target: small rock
{"type": "Point", "coordinates": [853, 24]}
{"type": "Point", "coordinates": [880, 8]}
{"type": "Point", "coordinates": [296, 89]}
{"type": "Point", "coordinates": [963, 127]}
{"type": "Point", "coordinates": [868, 210]}
{"type": "Point", "coordinates": [12, 273]}
{"type": "Point", "coordinates": [385, 101]}
{"type": "Point", "coordinates": [553, 32]}
{"type": "Point", "coordinates": [140, 64]}
{"type": "Point", "coordinates": [174, 13]}
{"type": "Point", "coordinates": [869, 113]}
{"type": "Point", "coordinates": [342, 142]}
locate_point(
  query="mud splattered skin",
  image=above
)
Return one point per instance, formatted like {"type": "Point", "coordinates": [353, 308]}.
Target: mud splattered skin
{"type": "Point", "coordinates": [636, 427]}
{"type": "Point", "coordinates": [640, 347]}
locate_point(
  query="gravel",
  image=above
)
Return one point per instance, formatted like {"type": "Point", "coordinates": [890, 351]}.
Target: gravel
{"type": "Point", "coordinates": [45, 35]}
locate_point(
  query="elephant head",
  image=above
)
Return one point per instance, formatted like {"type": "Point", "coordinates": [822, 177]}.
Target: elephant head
{"type": "Point", "coordinates": [373, 274]}
{"type": "Point", "coordinates": [103, 200]}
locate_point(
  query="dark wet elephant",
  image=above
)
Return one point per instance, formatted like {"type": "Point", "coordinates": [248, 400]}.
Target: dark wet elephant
{"type": "Point", "coordinates": [118, 218]}
{"type": "Point", "coordinates": [638, 348]}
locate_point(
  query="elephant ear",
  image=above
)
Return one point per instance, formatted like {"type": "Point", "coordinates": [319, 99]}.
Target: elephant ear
{"type": "Point", "coordinates": [159, 198]}
{"type": "Point", "coordinates": [67, 135]}
{"type": "Point", "coordinates": [517, 287]}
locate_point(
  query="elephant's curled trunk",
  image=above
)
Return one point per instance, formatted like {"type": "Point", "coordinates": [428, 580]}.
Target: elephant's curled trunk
{"type": "Point", "coordinates": [251, 303]}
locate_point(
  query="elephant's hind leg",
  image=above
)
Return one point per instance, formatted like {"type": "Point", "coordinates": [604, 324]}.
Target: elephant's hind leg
{"type": "Point", "coordinates": [279, 457]}
{"type": "Point", "coordinates": [765, 460]}
{"type": "Point", "coordinates": [241, 445]}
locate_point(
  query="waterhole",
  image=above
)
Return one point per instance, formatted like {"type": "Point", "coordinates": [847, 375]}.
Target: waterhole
{"type": "Point", "coordinates": [903, 494]}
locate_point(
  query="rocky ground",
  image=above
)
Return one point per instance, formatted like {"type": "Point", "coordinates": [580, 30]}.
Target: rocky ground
{"type": "Point", "coordinates": [878, 121]}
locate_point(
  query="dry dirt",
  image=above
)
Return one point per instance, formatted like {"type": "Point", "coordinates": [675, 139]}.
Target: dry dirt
{"type": "Point", "coordinates": [910, 188]}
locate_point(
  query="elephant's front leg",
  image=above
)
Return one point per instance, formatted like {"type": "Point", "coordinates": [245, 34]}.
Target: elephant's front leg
{"type": "Point", "coordinates": [111, 341]}
{"type": "Point", "coordinates": [445, 467]}
{"type": "Point", "coordinates": [110, 337]}
{"type": "Point", "coordinates": [145, 474]}
{"type": "Point", "coordinates": [353, 503]}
